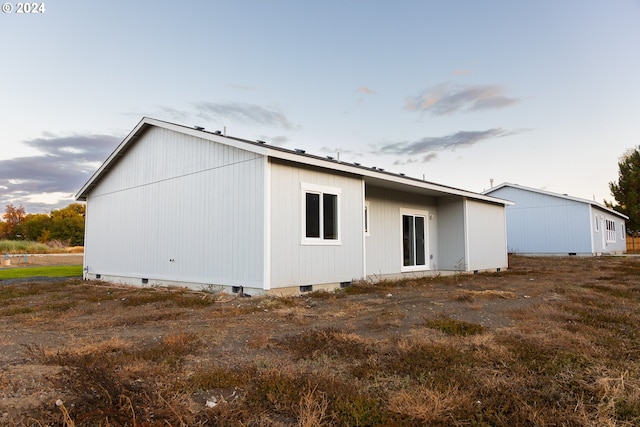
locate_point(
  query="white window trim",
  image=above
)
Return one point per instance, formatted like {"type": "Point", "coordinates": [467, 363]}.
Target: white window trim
{"type": "Point", "coordinates": [318, 189]}
{"type": "Point", "coordinates": [611, 234]}
{"type": "Point", "coordinates": [425, 214]}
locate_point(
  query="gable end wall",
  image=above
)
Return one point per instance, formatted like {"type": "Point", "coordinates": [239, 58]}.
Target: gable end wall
{"type": "Point", "coordinates": [178, 209]}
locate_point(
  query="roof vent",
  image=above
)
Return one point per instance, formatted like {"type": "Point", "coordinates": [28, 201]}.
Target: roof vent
{"type": "Point", "coordinates": [356, 163]}
{"type": "Point", "coordinates": [401, 174]}
{"type": "Point", "coordinates": [218, 132]}
{"type": "Point", "coordinates": [299, 151]}
{"type": "Point", "coordinates": [259, 141]}
{"type": "Point", "coordinates": [380, 169]}
{"type": "Point", "coordinates": [330, 158]}
{"type": "Point", "coordinates": [198, 128]}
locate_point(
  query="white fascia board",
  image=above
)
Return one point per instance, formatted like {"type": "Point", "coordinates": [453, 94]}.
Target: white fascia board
{"type": "Point", "coordinates": [596, 205]}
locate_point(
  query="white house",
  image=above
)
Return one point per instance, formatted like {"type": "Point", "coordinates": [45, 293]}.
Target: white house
{"type": "Point", "coordinates": [541, 222]}
{"type": "Point", "coordinates": [183, 206]}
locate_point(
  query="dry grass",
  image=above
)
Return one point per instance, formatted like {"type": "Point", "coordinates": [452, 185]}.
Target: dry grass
{"type": "Point", "coordinates": [471, 295]}
{"type": "Point", "coordinates": [115, 356]}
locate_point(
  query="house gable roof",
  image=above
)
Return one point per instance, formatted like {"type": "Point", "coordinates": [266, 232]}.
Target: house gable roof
{"type": "Point", "coordinates": [371, 175]}
{"type": "Point", "coordinates": [561, 196]}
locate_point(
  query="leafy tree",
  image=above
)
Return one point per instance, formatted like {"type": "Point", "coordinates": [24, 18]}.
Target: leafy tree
{"type": "Point", "coordinates": [13, 218]}
{"type": "Point", "coordinates": [627, 190]}
{"type": "Point", "coordinates": [36, 227]}
{"type": "Point", "coordinates": [67, 224]}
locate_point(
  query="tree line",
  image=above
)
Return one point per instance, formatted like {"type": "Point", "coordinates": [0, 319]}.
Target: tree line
{"type": "Point", "coordinates": [65, 226]}
{"type": "Point", "coordinates": [626, 190]}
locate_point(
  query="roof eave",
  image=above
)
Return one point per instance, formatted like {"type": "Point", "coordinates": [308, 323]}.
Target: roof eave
{"type": "Point", "coordinates": [562, 196]}
{"type": "Point", "coordinates": [278, 153]}
{"type": "Point", "coordinates": [117, 153]}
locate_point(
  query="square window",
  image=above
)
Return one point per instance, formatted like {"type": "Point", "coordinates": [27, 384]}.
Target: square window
{"type": "Point", "coordinates": [320, 216]}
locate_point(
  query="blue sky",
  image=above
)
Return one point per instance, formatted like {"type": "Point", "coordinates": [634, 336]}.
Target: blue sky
{"type": "Point", "coordinates": [545, 94]}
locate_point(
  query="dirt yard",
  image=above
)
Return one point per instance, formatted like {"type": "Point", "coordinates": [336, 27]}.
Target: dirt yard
{"type": "Point", "coordinates": [85, 353]}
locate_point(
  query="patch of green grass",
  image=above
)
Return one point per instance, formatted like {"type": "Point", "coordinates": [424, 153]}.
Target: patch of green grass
{"type": "Point", "coordinates": [427, 363]}
{"type": "Point", "coordinates": [627, 410]}
{"type": "Point", "coordinates": [361, 410]}
{"type": "Point", "coordinates": [16, 310]}
{"type": "Point", "coordinates": [177, 297]}
{"type": "Point", "coordinates": [330, 342]}
{"type": "Point", "coordinates": [455, 327]}
{"type": "Point", "coordinates": [11, 292]}
{"type": "Point", "coordinates": [63, 306]}
{"type": "Point", "coordinates": [54, 271]}
{"type": "Point", "coordinates": [218, 377]}
{"type": "Point", "coordinates": [620, 291]}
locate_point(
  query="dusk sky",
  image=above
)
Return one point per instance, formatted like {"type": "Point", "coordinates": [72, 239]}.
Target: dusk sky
{"type": "Point", "coordinates": [545, 94]}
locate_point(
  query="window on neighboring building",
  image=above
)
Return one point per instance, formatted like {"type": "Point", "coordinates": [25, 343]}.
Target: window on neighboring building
{"type": "Point", "coordinates": [623, 233]}
{"type": "Point", "coordinates": [610, 226]}
{"type": "Point", "coordinates": [414, 240]}
{"type": "Point", "coordinates": [320, 214]}
{"type": "Point", "coordinates": [597, 224]}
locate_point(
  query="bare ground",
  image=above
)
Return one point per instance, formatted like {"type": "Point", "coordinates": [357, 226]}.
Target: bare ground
{"type": "Point", "coordinates": [42, 321]}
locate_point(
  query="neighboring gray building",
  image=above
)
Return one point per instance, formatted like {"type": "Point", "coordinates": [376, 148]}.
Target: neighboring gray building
{"type": "Point", "coordinates": [184, 206]}
{"type": "Point", "coordinates": [541, 222]}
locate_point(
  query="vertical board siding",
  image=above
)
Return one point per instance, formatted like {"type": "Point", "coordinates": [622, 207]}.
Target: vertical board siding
{"type": "Point", "coordinates": [451, 242]}
{"type": "Point", "coordinates": [179, 208]}
{"type": "Point", "coordinates": [294, 264]}
{"type": "Point", "coordinates": [633, 244]}
{"type": "Point", "coordinates": [541, 223]}
{"type": "Point", "coordinates": [599, 241]}
{"type": "Point", "coordinates": [384, 244]}
{"type": "Point", "coordinates": [486, 236]}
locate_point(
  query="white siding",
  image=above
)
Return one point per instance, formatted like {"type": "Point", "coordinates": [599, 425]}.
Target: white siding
{"type": "Point", "coordinates": [451, 237]}
{"type": "Point", "coordinates": [599, 232]}
{"type": "Point", "coordinates": [384, 244]}
{"type": "Point", "coordinates": [179, 208]}
{"type": "Point", "coordinates": [542, 223]}
{"type": "Point", "coordinates": [295, 264]}
{"type": "Point", "coordinates": [486, 236]}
